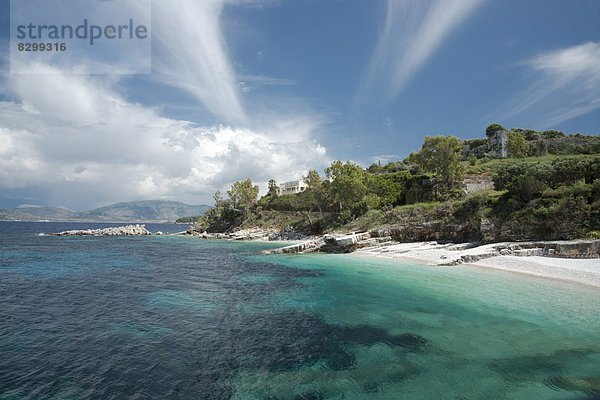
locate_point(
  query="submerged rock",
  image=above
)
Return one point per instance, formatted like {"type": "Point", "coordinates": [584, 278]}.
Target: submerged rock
{"type": "Point", "coordinates": [588, 385]}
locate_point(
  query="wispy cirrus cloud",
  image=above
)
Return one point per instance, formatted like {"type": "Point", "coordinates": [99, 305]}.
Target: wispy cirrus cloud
{"type": "Point", "coordinates": [565, 84]}
{"type": "Point", "coordinates": [248, 83]}
{"type": "Point", "coordinates": [412, 32]}
{"type": "Point", "coordinates": [190, 53]}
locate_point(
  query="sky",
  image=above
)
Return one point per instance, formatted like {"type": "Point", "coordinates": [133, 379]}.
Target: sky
{"type": "Point", "coordinates": [267, 89]}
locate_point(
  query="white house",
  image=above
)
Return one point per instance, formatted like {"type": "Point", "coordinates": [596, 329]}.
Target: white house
{"type": "Point", "coordinates": [292, 187]}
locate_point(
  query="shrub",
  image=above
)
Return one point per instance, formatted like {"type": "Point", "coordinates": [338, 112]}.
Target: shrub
{"type": "Point", "coordinates": [472, 160]}
{"type": "Point", "coordinates": [344, 217]}
{"type": "Point", "coordinates": [493, 128]}
{"type": "Point", "coordinates": [592, 235]}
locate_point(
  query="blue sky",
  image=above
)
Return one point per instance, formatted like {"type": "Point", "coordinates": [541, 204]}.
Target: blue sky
{"type": "Point", "coordinates": [268, 89]}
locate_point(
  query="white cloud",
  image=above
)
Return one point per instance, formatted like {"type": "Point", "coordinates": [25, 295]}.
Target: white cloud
{"type": "Point", "coordinates": [74, 140]}
{"type": "Point", "coordinates": [565, 84]}
{"type": "Point", "coordinates": [114, 150]}
{"type": "Point", "coordinates": [412, 32]}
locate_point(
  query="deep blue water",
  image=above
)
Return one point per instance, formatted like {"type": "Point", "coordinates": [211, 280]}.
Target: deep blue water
{"type": "Point", "coordinates": [181, 318]}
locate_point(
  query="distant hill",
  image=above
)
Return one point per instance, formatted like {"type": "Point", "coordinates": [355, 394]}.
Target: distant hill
{"type": "Point", "coordinates": [137, 211]}
{"type": "Point", "coordinates": [37, 213]}
{"type": "Point", "coordinates": [150, 210]}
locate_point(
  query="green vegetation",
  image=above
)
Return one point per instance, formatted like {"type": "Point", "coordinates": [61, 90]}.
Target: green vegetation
{"type": "Point", "coordinates": [517, 145]}
{"type": "Point", "coordinates": [530, 143]}
{"type": "Point", "coordinates": [423, 197]}
{"type": "Point", "coordinates": [557, 199]}
{"type": "Point", "coordinates": [441, 156]}
{"type": "Point", "coordinates": [493, 128]}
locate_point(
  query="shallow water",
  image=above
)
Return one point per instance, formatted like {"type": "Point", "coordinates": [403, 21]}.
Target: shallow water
{"type": "Point", "coordinates": [177, 317]}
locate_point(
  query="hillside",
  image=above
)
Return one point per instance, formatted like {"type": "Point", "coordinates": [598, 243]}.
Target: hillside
{"type": "Point", "coordinates": [138, 211]}
{"type": "Point", "coordinates": [36, 213]}
{"type": "Point", "coordinates": [499, 188]}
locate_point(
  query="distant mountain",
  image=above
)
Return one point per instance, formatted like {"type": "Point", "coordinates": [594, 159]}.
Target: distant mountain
{"type": "Point", "coordinates": [137, 211]}
{"type": "Point", "coordinates": [149, 210]}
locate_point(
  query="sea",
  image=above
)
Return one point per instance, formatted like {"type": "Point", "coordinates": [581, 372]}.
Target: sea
{"type": "Point", "coordinates": [174, 317]}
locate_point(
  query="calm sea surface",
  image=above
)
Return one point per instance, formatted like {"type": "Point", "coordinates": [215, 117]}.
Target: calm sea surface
{"type": "Point", "coordinates": [181, 318]}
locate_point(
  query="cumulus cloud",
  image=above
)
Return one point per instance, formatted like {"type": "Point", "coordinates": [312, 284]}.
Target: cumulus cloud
{"type": "Point", "coordinates": [413, 30]}
{"type": "Point", "coordinates": [565, 84]}
{"type": "Point", "coordinates": [131, 152]}
{"type": "Point", "coordinates": [76, 141]}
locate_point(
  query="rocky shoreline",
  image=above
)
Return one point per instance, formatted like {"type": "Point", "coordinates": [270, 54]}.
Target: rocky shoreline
{"type": "Point", "coordinates": [575, 261]}
{"type": "Point", "coordinates": [250, 234]}
{"type": "Point", "coordinates": [453, 254]}
{"type": "Point", "coordinates": [373, 243]}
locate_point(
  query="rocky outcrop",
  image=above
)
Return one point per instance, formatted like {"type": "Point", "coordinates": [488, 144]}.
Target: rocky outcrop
{"type": "Point", "coordinates": [309, 246]}
{"type": "Point", "coordinates": [249, 234]}
{"type": "Point", "coordinates": [498, 144]}
{"type": "Point", "coordinates": [345, 243]}
{"type": "Point", "coordinates": [129, 230]}
{"type": "Point", "coordinates": [572, 249]}
{"type": "Point", "coordinates": [477, 183]}
{"type": "Point", "coordinates": [560, 249]}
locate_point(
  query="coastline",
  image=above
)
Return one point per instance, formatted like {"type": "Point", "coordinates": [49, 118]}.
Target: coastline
{"type": "Point", "coordinates": [583, 271]}
{"type": "Point", "coordinates": [528, 258]}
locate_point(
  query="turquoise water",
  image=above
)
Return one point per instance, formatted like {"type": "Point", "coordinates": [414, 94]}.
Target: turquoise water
{"type": "Point", "coordinates": [489, 334]}
{"type": "Point", "coordinates": [181, 318]}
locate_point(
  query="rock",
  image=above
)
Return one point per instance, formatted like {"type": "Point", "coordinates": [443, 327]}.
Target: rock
{"type": "Point", "coordinates": [572, 249]}
{"type": "Point", "coordinates": [334, 244]}
{"type": "Point", "coordinates": [249, 234]}
{"type": "Point", "coordinates": [345, 243]}
{"type": "Point", "coordinates": [304, 247]}
{"type": "Point", "coordinates": [129, 230]}
{"type": "Point", "coordinates": [587, 384]}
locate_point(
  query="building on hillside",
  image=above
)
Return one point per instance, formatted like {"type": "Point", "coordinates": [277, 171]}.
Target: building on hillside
{"type": "Point", "coordinates": [292, 187]}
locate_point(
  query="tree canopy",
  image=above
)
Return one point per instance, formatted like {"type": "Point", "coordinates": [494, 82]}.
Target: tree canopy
{"type": "Point", "coordinates": [441, 156]}
{"type": "Point", "coordinates": [243, 194]}
{"type": "Point", "coordinates": [348, 183]}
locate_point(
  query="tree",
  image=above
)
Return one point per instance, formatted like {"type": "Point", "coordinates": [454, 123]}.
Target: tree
{"type": "Point", "coordinates": [243, 194]}
{"type": "Point", "coordinates": [218, 198]}
{"type": "Point", "coordinates": [314, 191]}
{"type": "Point", "coordinates": [441, 156]}
{"type": "Point", "coordinates": [313, 180]}
{"type": "Point", "coordinates": [348, 183]}
{"type": "Point", "coordinates": [273, 188]}
{"type": "Point", "coordinates": [388, 187]}
{"type": "Point", "coordinates": [517, 145]}
{"type": "Point", "coordinates": [493, 128]}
